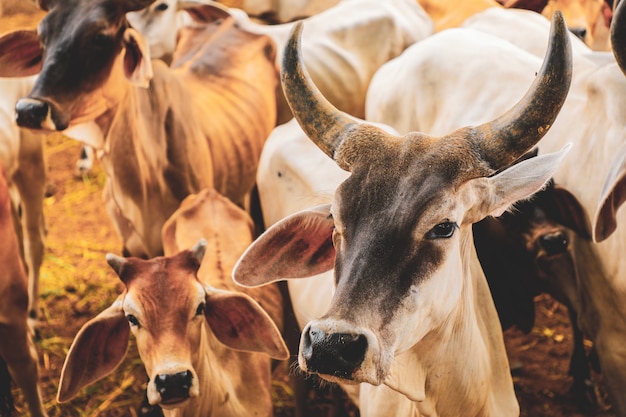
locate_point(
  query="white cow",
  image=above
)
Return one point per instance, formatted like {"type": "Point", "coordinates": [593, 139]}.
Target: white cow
{"type": "Point", "coordinates": [281, 11]}
{"type": "Point", "coordinates": [493, 74]}
{"type": "Point", "coordinates": [412, 311]}
{"type": "Point", "coordinates": [343, 44]}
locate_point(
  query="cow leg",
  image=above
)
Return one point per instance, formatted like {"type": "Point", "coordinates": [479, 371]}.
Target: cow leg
{"type": "Point", "coordinates": [21, 359]}
{"type": "Point", "coordinates": [30, 180]}
{"type": "Point", "coordinates": [583, 386]}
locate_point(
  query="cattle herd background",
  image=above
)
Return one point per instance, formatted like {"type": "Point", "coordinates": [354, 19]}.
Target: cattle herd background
{"type": "Point", "coordinates": [77, 284]}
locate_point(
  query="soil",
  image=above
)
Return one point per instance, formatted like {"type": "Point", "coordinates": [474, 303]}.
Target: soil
{"type": "Point", "coordinates": [77, 284]}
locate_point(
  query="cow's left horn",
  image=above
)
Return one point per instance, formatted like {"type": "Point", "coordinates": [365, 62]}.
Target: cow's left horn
{"type": "Point", "coordinates": [618, 35]}
{"type": "Point", "coordinates": [322, 122]}
{"type": "Point", "coordinates": [511, 135]}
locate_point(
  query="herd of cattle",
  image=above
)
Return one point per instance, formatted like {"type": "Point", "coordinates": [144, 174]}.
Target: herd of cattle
{"type": "Point", "coordinates": [429, 166]}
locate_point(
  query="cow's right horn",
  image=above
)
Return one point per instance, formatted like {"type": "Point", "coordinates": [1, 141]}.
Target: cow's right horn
{"type": "Point", "coordinates": [322, 122]}
{"type": "Point", "coordinates": [618, 35]}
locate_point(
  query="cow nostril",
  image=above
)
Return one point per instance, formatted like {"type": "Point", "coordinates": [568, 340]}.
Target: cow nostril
{"type": "Point", "coordinates": [554, 243]}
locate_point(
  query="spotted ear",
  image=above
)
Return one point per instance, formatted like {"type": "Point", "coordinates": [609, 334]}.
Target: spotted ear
{"type": "Point", "coordinates": [137, 65]}
{"type": "Point", "coordinates": [298, 246]}
{"type": "Point", "coordinates": [612, 197]}
{"type": "Point", "coordinates": [20, 54]}
{"type": "Point", "coordinates": [517, 182]}
{"type": "Point", "coordinates": [240, 323]}
{"type": "Point", "coordinates": [98, 348]}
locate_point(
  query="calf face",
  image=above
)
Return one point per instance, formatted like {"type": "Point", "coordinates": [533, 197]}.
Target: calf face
{"type": "Point", "coordinates": [179, 324]}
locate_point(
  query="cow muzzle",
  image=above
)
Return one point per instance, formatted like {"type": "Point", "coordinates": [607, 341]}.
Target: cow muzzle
{"type": "Point", "coordinates": [38, 114]}
{"type": "Point", "coordinates": [172, 388]}
{"type": "Point", "coordinates": [338, 355]}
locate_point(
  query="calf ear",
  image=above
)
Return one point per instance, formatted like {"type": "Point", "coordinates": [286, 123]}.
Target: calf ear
{"type": "Point", "coordinates": [612, 197]}
{"type": "Point", "coordinates": [240, 323]}
{"type": "Point", "coordinates": [99, 347]}
{"type": "Point", "coordinates": [521, 180]}
{"type": "Point", "coordinates": [298, 246]}
{"type": "Point", "coordinates": [570, 213]}
{"type": "Point", "coordinates": [20, 54]}
{"type": "Point", "coordinates": [137, 65]}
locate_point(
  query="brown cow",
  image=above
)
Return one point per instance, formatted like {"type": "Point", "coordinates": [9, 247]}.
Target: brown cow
{"type": "Point", "coordinates": [164, 132]}
{"type": "Point", "coordinates": [17, 351]}
{"type": "Point", "coordinates": [205, 344]}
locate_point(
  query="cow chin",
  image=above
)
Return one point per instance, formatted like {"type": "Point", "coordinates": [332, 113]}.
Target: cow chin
{"type": "Point", "coordinates": [341, 352]}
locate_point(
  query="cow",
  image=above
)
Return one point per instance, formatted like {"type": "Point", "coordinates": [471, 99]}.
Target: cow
{"type": "Point", "coordinates": [206, 344]}
{"type": "Point", "coordinates": [533, 249]}
{"type": "Point", "coordinates": [584, 17]}
{"type": "Point", "coordinates": [343, 45]}
{"type": "Point", "coordinates": [410, 294]}
{"type": "Point", "coordinates": [163, 132]}
{"type": "Point", "coordinates": [590, 118]}
{"type": "Point", "coordinates": [281, 11]}
{"type": "Point", "coordinates": [18, 356]}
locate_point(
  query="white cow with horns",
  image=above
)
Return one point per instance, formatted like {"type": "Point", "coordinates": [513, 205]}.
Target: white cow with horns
{"type": "Point", "coordinates": [411, 310]}
{"type": "Point", "coordinates": [592, 118]}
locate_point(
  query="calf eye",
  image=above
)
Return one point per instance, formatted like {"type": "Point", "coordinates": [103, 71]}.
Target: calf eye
{"type": "Point", "coordinates": [443, 230]}
{"type": "Point", "coordinates": [132, 320]}
{"type": "Point", "coordinates": [200, 309]}
{"type": "Point", "coordinates": [162, 7]}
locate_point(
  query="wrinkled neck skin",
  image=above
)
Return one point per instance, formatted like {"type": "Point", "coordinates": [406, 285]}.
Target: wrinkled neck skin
{"type": "Point", "coordinates": [218, 397]}
{"type": "Point", "coordinates": [459, 368]}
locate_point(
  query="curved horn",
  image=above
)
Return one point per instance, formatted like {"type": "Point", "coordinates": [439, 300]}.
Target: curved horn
{"type": "Point", "coordinates": [322, 122]}
{"type": "Point", "coordinates": [618, 35]}
{"type": "Point", "coordinates": [519, 129]}
{"type": "Point", "coordinates": [116, 262]}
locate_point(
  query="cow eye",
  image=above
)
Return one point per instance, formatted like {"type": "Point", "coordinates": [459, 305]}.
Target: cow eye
{"type": "Point", "coordinates": [132, 320]}
{"type": "Point", "coordinates": [162, 7]}
{"type": "Point", "coordinates": [200, 309]}
{"type": "Point", "coordinates": [443, 230]}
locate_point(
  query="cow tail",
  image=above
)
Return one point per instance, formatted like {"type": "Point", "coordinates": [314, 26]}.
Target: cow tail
{"type": "Point", "coordinates": [7, 408]}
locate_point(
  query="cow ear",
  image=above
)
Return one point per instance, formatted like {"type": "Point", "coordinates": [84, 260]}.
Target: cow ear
{"type": "Point", "coordinates": [240, 323]}
{"type": "Point", "coordinates": [99, 348]}
{"type": "Point", "coordinates": [298, 246]}
{"type": "Point", "coordinates": [520, 181]}
{"type": "Point", "coordinates": [20, 54]}
{"type": "Point", "coordinates": [137, 65]}
{"type": "Point", "coordinates": [612, 197]}
{"type": "Point", "coordinates": [570, 213]}
{"type": "Point", "coordinates": [204, 13]}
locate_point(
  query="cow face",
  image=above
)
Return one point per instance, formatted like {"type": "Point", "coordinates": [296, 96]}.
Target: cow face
{"type": "Point", "coordinates": [399, 226]}
{"type": "Point", "coordinates": [82, 50]}
{"type": "Point", "coordinates": [180, 326]}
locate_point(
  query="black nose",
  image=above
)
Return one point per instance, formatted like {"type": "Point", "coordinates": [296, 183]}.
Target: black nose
{"type": "Point", "coordinates": [579, 32]}
{"type": "Point", "coordinates": [31, 113]}
{"type": "Point", "coordinates": [553, 243]}
{"type": "Point", "coordinates": [174, 387]}
{"type": "Point", "coordinates": [336, 354]}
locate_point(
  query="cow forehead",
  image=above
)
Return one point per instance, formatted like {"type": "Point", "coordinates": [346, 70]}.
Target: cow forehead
{"type": "Point", "coordinates": [74, 16]}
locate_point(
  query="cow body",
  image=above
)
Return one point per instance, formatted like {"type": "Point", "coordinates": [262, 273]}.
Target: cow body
{"type": "Point", "coordinates": [281, 11]}
{"type": "Point", "coordinates": [591, 119]}
{"type": "Point", "coordinates": [17, 350]}
{"type": "Point", "coordinates": [159, 143]}
{"type": "Point", "coordinates": [410, 294]}
{"type": "Point", "coordinates": [206, 346]}
{"type": "Point", "coordinates": [342, 44]}
{"type": "Point", "coordinates": [21, 153]}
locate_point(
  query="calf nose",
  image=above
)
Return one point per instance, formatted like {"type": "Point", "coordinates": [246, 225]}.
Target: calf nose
{"type": "Point", "coordinates": [579, 32]}
{"type": "Point", "coordinates": [553, 243]}
{"type": "Point", "coordinates": [336, 354]}
{"type": "Point", "coordinates": [173, 387]}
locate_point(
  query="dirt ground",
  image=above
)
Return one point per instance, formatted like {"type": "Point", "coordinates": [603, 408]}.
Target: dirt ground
{"type": "Point", "coordinates": [77, 284]}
